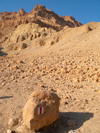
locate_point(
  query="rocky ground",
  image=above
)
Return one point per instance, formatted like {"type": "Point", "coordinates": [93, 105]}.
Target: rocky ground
{"type": "Point", "coordinates": [66, 62]}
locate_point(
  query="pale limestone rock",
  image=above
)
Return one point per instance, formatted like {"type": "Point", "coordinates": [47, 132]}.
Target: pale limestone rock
{"type": "Point", "coordinates": [9, 131]}
{"type": "Point", "coordinates": [13, 122]}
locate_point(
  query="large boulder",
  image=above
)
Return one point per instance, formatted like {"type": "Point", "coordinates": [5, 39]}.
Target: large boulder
{"type": "Point", "coordinates": [41, 109]}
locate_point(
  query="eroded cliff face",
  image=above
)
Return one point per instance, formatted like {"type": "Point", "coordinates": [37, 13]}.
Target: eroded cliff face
{"type": "Point", "coordinates": [40, 15]}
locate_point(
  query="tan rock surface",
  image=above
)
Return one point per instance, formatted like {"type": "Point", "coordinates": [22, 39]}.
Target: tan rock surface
{"type": "Point", "coordinates": [41, 109]}
{"type": "Point", "coordinates": [13, 122]}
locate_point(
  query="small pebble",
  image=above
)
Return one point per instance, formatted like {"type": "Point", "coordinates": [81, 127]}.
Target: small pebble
{"type": "Point", "coordinates": [9, 131]}
{"type": "Point", "coordinates": [13, 122]}
{"type": "Point", "coordinates": [71, 131]}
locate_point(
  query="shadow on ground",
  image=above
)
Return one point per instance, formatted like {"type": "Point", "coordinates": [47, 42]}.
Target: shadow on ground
{"type": "Point", "coordinates": [60, 126]}
{"type": "Point", "coordinates": [2, 53]}
{"type": "Point", "coordinates": [5, 97]}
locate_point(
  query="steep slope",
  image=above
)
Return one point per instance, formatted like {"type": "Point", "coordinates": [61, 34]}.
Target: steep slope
{"type": "Point", "coordinates": [66, 62]}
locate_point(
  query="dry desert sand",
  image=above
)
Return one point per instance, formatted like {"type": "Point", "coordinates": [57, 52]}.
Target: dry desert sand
{"type": "Point", "coordinates": [65, 61]}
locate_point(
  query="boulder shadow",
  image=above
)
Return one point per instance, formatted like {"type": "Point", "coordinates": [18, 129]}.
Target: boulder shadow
{"type": "Point", "coordinates": [5, 97]}
{"type": "Point", "coordinates": [2, 53]}
{"type": "Point", "coordinates": [60, 126]}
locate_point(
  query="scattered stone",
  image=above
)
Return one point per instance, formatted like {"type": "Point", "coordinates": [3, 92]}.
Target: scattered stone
{"type": "Point", "coordinates": [71, 131]}
{"type": "Point", "coordinates": [63, 70]}
{"type": "Point", "coordinates": [52, 43]}
{"type": "Point", "coordinates": [75, 80]}
{"type": "Point", "coordinates": [85, 101]}
{"type": "Point", "coordinates": [9, 131]}
{"type": "Point", "coordinates": [64, 103]}
{"type": "Point", "coordinates": [20, 61]}
{"type": "Point", "coordinates": [15, 67]}
{"type": "Point", "coordinates": [13, 122]}
{"type": "Point", "coordinates": [3, 84]}
{"type": "Point", "coordinates": [42, 85]}
{"type": "Point", "coordinates": [41, 105]}
{"type": "Point", "coordinates": [23, 129]}
{"type": "Point", "coordinates": [98, 91]}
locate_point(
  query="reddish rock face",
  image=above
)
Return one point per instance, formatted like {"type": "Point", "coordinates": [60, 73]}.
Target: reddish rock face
{"type": "Point", "coordinates": [38, 8]}
{"type": "Point", "coordinates": [41, 15]}
{"type": "Point", "coordinates": [41, 109]}
{"type": "Point", "coordinates": [21, 12]}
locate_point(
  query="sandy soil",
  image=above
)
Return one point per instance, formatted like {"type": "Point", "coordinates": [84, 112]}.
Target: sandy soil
{"type": "Point", "coordinates": [70, 68]}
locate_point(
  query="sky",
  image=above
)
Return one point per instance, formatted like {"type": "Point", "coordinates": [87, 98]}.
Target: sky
{"type": "Point", "coordinates": [84, 11]}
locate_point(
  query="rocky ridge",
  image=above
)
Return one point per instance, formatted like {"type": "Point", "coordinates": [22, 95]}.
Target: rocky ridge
{"type": "Point", "coordinates": [44, 17]}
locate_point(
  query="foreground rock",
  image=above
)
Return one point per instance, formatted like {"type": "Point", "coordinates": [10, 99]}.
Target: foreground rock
{"type": "Point", "coordinates": [41, 109]}
{"type": "Point", "coordinates": [13, 122]}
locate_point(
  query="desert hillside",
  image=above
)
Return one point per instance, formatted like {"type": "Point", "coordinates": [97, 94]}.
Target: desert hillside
{"type": "Point", "coordinates": [35, 55]}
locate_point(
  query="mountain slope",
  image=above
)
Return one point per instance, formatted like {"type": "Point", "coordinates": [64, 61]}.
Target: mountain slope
{"type": "Point", "coordinates": [66, 62]}
{"type": "Point", "coordinates": [40, 55]}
